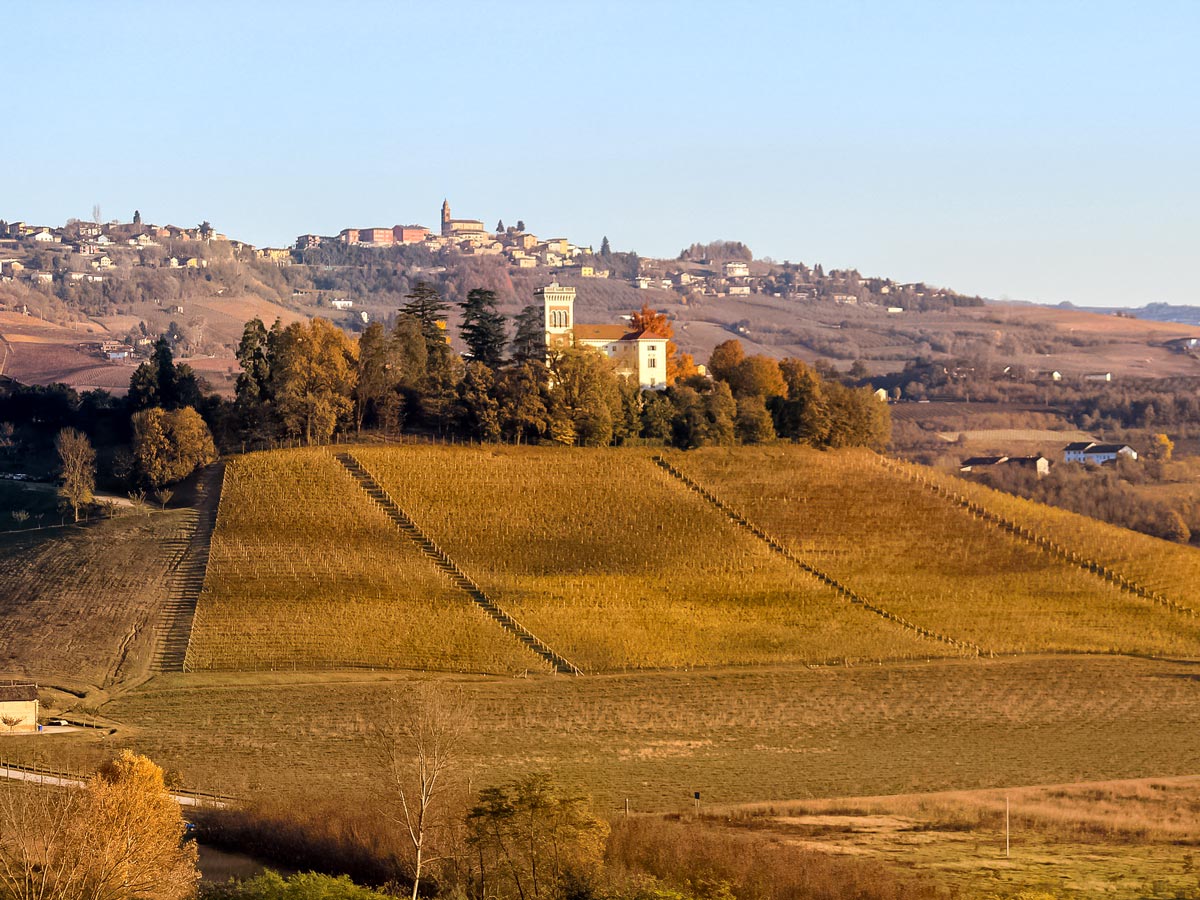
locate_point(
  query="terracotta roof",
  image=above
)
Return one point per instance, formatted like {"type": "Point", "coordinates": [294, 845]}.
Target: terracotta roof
{"type": "Point", "coordinates": [644, 336]}
{"type": "Point", "coordinates": [600, 332]}
{"type": "Point", "coordinates": [12, 692]}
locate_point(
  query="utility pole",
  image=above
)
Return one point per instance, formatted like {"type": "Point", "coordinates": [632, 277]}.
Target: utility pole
{"type": "Point", "coordinates": [1006, 828]}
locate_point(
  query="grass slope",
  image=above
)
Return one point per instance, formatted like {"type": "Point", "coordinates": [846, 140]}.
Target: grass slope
{"type": "Point", "coordinates": [73, 600]}
{"type": "Point", "coordinates": [735, 735]}
{"type": "Point", "coordinates": [1168, 568]}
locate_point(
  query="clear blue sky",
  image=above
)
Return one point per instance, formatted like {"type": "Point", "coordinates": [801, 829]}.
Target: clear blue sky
{"type": "Point", "coordinates": [1038, 151]}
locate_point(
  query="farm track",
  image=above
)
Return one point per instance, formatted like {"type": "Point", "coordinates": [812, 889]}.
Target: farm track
{"type": "Point", "coordinates": [173, 631]}
{"type": "Point", "coordinates": [1038, 541]}
{"type": "Point", "coordinates": [841, 589]}
{"type": "Point", "coordinates": [449, 568]}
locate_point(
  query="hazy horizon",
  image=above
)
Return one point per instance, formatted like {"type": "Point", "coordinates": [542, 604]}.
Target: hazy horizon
{"type": "Point", "coordinates": [1030, 152]}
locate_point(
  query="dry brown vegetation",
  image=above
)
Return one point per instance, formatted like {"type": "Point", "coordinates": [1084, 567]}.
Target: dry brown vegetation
{"type": "Point", "coordinates": [735, 735]}
{"type": "Point", "coordinates": [78, 603]}
{"type": "Point", "coordinates": [1125, 839]}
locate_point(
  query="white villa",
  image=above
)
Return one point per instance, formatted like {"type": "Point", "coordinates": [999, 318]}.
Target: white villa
{"type": "Point", "coordinates": [638, 354]}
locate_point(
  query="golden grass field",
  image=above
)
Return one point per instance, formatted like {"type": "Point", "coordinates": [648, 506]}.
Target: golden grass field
{"type": "Point", "coordinates": [1169, 568]}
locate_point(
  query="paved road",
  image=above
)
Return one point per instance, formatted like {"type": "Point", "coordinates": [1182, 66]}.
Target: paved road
{"type": "Point", "coordinates": [60, 781]}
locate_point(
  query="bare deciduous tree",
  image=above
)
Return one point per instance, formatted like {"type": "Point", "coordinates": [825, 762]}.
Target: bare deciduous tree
{"type": "Point", "coordinates": [78, 468]}
{"type": "Point", "coordinates": [418, 743]}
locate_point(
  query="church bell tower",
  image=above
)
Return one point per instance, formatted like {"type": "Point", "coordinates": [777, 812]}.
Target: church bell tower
{"type": "Point", "coordinates": [558, 304]}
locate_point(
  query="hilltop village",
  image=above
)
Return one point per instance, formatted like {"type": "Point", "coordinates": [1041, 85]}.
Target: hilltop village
{"type": "Point", "coordinates": [83, 257]}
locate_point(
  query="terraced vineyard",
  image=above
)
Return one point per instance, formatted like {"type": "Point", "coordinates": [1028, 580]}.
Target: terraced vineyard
{"type": "Point", "coordinates": [1172, 570]}
{"type": "Point", "coordinates": [77, 603]}
{"type": "Point", "coordinates": [921, 555]}
{"type": "Point", "coordinates": [617, 566]}
{"type": "Point", "coordinates": [306, 572]}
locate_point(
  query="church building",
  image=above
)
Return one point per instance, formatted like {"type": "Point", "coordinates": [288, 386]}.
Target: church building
{"type": "Point", "coordinates": [460, 228]}
{"type": "Point", "coordinates": [640, 355]}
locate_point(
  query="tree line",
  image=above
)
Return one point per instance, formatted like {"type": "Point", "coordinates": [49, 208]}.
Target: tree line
{"type": "Point", "coordinates": [309, 381]}
{"type": "Point", "coordinates": [154, 437]}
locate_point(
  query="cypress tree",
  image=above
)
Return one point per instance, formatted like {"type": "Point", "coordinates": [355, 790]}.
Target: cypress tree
{"type": "Point", "coordinates": [483, 328]}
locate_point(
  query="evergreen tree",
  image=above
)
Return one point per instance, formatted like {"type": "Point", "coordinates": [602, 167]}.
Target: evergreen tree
{"type": "Point", "coordinates": [803, 415]}
{"type": "Point", "coordinates": [702, 417]}
{"type": "Point", "coordinates": [530, 343]}
{"type": "Point", "coordinates": [478, 409]}
{"type": "Point", "coordinates": [437, 390]}
{"type": "Point", "coordinates": [483, 328]}
{"type": "Point", "coordinates": [137, 217]}
{"type": "Point", "coordinates": [585, 392]}
{"type": "Point", "coordinates": [159, 382]}
{"type": "Point", "coordinates": [605, 248]}
{"type": "Point", "coordinates": [858, 418]}
{"type": "Point", "coordinates": [500, 226]}
{"type": "Point", "coordinates": [657, 412]}
{"type": "Point", "coordinates": [426, 307]}
{"type": "Point", "coordinates": [521, 225]}
{"type": "Point", "coordinates": [254, 355]}
{"type": "Point", "coordinates": [378, 378]}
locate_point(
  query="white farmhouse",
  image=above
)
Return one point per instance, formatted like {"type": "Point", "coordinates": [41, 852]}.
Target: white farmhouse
{"type": "Point", "coordinates": [1096, 454]}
